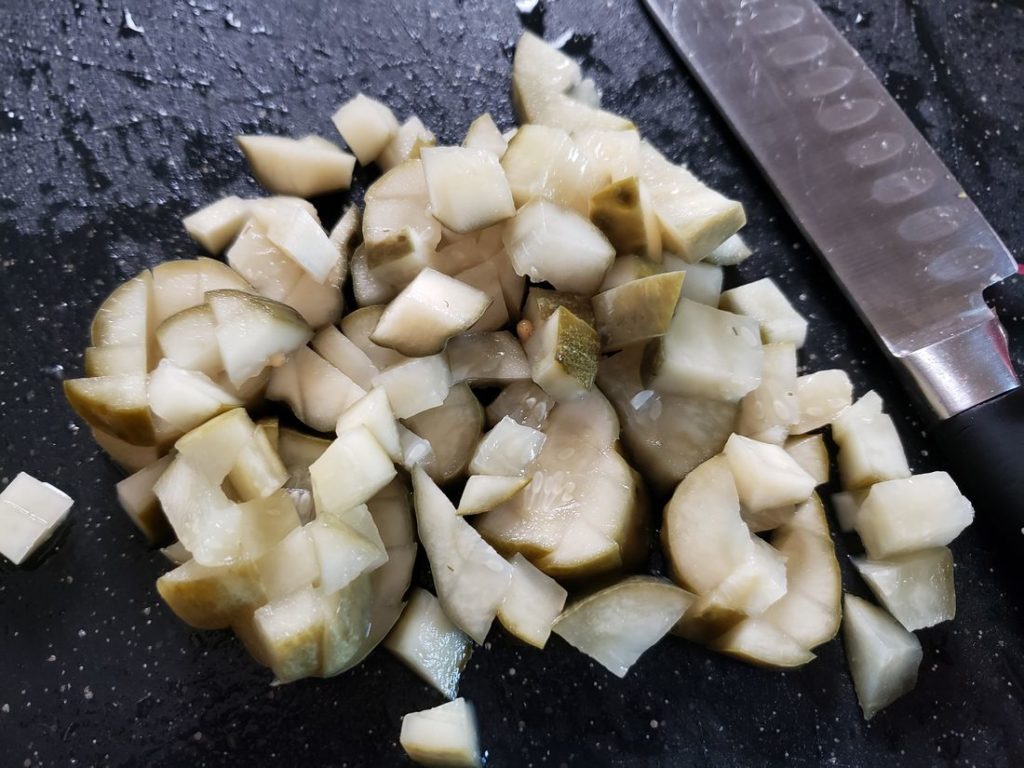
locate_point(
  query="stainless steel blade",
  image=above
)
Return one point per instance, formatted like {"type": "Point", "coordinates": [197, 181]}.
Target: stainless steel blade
{"type": "Point", "coordinates": [909, 248]}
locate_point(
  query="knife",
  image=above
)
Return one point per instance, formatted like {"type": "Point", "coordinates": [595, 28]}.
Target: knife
{"type": "Point", "coordinates": [908, 247]}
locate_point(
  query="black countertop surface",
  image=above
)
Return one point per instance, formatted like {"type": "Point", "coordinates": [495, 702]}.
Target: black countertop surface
{"type": "Point", "coordinates": [116, 120]}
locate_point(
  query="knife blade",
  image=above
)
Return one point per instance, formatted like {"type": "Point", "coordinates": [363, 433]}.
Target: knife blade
{"type": "Point", "coordinates": [908, 247]}
{"type": "Point", "coordinates": [906, 244]}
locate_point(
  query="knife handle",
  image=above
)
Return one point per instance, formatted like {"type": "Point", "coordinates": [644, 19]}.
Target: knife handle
{"type": "Point", "coordinates": [984, 448]}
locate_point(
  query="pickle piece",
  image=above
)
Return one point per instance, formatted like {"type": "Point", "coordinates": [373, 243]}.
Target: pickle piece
{"type": "Point", "coordinates": [563, 355]}
{"type": "Point", "coordinates": [637, 311]}
{"type": "Point", "coordinates": [253, 331]}
{"type": "Point", "coordinates": [623, 211]}
{"type": "Point", "coordinates": [117, 405]}
{"type": "Point", "coordinates": [616, 625]}
{"type": "Point", "coordinates": [453, 430]}
{"type": "Point", "coordinates": [189, 339]}
{"type": "Point", "coordinates": [541, 303]}
{"type": "Point", "coordinates": [115, 360]}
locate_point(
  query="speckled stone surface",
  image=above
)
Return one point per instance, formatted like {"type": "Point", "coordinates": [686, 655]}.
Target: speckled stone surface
{"type": "Point", "coordinates": [116, 120]}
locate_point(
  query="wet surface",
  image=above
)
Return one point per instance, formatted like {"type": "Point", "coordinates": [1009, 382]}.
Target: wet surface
{"type": "Point", "coordinates": [117, 120]}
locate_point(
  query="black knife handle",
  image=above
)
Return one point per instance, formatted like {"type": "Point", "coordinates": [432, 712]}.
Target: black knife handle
{"type": "Point", "coordinates": [984, 448]}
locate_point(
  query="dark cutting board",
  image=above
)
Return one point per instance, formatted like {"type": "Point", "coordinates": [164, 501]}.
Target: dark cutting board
{"type": "Point", "coordinates": [108, 136]}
